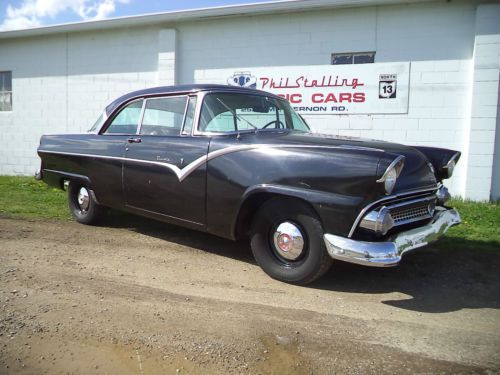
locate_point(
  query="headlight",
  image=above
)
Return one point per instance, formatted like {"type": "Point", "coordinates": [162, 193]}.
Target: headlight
{"type": "Point", "coordinates": [390, 180]}
{"type": "Point", "coordinates": [391, 174]}
{"type": "Point", "coordinates": [450, 166]}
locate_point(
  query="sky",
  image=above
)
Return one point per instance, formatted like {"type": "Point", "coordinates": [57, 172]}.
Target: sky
{"type": "Point", "coordinates": [24, 14]}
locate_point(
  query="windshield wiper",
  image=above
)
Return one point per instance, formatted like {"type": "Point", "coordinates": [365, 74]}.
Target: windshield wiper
{"type": "Point", "coordinates": [235, 115]}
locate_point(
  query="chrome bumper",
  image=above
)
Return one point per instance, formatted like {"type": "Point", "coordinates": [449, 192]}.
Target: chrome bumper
{"type": "Point", "coordinates": [389, 253]}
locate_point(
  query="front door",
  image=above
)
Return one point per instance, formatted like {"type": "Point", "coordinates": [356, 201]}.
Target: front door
{"type": "Point", "coordinates": [164, 171]}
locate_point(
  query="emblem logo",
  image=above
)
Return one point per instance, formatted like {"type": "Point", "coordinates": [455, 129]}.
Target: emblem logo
{"type": "Point", "coordinates": [243, 79]}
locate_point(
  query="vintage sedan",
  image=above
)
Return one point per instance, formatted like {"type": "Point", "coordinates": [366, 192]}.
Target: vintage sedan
{"type": "Point", "coordinates": [240, 163]}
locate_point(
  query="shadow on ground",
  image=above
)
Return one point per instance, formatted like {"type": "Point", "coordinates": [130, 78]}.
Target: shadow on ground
{"type": "Point", "coordinates": [186, 237]}
{"type": "Point", "coordinates": [450, 275]}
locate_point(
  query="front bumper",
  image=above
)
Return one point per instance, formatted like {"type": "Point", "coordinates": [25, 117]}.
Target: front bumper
{"type": "Point", "coordinates": [389, 253]}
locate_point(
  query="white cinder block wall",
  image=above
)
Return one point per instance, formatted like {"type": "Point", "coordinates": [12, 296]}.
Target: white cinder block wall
{"type": "Point", "coordinates": [61, 82]}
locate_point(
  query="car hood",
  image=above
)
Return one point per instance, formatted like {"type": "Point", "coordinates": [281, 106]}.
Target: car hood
{"type": "Point", "coordinates": [416, 174]}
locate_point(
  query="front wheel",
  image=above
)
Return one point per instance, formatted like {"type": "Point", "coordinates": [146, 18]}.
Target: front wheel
{"type": "Point", "coordinates": [287, 242]}
{"type": "Point", "coordinates": [82, 205]}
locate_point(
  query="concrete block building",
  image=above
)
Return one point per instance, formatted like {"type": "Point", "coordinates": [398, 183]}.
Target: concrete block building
{"type": "Point", "coordinates": [446, 54]}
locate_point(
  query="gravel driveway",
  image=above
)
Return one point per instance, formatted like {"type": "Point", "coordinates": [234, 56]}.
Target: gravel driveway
{"type": "Point", "coordinates": [139, 297]}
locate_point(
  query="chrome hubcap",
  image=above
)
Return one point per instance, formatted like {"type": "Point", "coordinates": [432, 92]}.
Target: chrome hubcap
{"type": "Point", "coordinates": [83, 199]}
{"type": "Point", "coordinates": [288, 241]}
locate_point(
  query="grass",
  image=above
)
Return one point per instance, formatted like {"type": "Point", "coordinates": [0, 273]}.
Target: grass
{"type": "Point", "coordinates": [480, 228]}
{"type": "Point", "coordinates": [24, 197]}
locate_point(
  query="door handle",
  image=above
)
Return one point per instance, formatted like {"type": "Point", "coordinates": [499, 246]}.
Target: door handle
{"type": "Point", "coordinates": [134, 140]}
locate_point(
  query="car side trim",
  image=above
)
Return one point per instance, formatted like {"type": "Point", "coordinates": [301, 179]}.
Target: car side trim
{"type": "Point", "coordinates": [195, 164]}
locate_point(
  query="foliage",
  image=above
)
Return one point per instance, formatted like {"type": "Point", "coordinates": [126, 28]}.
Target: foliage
{"type": "Point", "coordinates": [24, 197]}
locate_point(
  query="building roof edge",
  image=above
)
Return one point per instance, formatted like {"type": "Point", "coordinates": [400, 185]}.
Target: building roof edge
{"type": "Point", "coordinates": [173, 17]}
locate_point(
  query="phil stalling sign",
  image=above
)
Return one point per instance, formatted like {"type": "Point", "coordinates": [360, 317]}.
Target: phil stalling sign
{"type": "Point", "coordinates": [325, 89]}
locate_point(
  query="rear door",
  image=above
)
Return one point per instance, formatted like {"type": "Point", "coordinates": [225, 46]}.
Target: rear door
{"type": "Point", "coordinates": [164, 170]}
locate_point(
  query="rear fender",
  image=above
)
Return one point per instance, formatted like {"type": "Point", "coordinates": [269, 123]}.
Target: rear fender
{"type": "Point", "coordinates": [56, 178]}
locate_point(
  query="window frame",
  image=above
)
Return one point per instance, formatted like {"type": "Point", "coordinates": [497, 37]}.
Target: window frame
{"type": "Point", "coordinates": [194, 124]}
{"type": "Point", "coordinates": [8, 92]}
{"type": "Point", "coordinates": [353, 55]}
{"type": "Point", "coordinates": [163, 97]}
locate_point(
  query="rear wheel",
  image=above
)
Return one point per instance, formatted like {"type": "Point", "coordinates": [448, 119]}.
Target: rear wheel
{"type": "Point", "coordinates": [287, 242]}
{"type": "Point", "coordinates": [82, 205]}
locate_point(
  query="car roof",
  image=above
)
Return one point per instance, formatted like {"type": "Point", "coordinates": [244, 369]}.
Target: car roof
{"type": "Point", "coordinates": [182, 89]}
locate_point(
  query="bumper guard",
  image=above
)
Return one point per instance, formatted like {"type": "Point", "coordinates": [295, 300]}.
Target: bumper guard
{"type": "Point", "coordinates": [389, 253]}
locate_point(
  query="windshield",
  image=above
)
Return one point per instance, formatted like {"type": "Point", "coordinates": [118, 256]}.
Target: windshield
{"type": "Point", "coordinates": [228, 112]}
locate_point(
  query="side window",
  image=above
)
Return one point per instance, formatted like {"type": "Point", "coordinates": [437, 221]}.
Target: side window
{"type": "Point", "coordinates": [127, 120]}
{"type": "Point", "coordinates": [163, 116]}
{"type": "Point", "coordinates": [188, 121]}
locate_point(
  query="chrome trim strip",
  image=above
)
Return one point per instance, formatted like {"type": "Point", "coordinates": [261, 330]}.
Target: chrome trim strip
{"type": "Point", "coordinates": [387, 198]}
{"type": "Point", "coordinates": [141, 117]}
{"type": "Point", "coordinates": [191, 167]}
{"type": "Point", "coordinates": [390, 252]}
{"type": "Point", "coordinates": [453, 157]}
{"type": "Point", "coordinates": [392, 165]}
{"type": "Point", "coordinates": [407, 203]}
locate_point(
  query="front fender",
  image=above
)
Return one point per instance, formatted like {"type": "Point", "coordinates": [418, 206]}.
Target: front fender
{"type": "Point", "coordinates": [337, 212]}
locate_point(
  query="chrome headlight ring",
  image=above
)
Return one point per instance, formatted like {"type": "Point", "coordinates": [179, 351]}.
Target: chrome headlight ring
{"type": "Point", "coordinates": [391, 174]}
{"type": "Point", "coordinates": [450, 166]}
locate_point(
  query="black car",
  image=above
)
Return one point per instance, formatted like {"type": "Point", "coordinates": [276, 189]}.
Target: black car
{"type": "Point", "coordinates": [240, 163]}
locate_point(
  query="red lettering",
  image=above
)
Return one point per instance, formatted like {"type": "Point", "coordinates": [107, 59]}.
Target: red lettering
{"type": "Point", "coordinates": [345, 97]}
{"type": "Point", "coordinates": [359, 97]}
{"type": "Point", "coordinates": [295, 98]}
{"type": "Point", "coordinates": [330, 98]}
{"type": "Point", "coordinates": [292, 98]}
{"type": "Point", "coordinates": [317, 98]}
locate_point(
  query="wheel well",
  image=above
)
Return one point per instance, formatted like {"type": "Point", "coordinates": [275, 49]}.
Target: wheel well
{"type": "Point", "coordinates": [250, 207]}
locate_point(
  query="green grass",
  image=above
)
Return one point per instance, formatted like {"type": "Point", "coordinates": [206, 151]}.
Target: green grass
{"type": "Point", "coordinates": [480, 221]}
{"type": "Point", "coordinates": [480, 228]}
{"type": "Point", "coordinates": [24, 197]}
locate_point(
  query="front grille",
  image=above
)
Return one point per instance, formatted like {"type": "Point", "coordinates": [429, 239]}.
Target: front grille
{"type": "Point", "coordinates": [409, 212]}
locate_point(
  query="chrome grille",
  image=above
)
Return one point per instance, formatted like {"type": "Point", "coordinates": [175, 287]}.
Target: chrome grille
{"type": "Point", "coordinates": [408, 212]}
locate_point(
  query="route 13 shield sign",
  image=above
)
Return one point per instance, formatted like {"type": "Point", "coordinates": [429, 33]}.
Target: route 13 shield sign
{"type": "Point", "coordinates": [387, 86]}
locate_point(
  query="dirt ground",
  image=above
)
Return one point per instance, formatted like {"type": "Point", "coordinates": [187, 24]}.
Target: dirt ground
{"type": "Point", "coordinates": [138, 297]}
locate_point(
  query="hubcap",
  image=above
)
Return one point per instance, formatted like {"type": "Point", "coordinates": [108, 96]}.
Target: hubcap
{"type": "Point", "coordinates": [288, 241]}
{"type": "Point", "coordinates": [83, 199]}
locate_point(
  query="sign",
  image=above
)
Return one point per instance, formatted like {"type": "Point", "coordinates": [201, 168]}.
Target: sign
{"type": "Point", "coordinates": [325, 89]}
{"type": "Point", "coordinates": [387, 87]}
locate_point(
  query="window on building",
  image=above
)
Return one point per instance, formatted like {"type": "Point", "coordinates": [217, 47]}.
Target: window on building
{"type": "Point", "coordinates": [353, 58]}
{"type": "Point", "coordinates": [5, 91]}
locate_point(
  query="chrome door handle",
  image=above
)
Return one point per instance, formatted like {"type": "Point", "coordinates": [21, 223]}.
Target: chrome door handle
{"type": "Point", "coordinates": [134, 140]}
